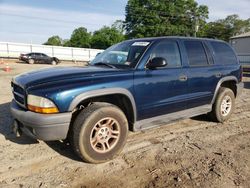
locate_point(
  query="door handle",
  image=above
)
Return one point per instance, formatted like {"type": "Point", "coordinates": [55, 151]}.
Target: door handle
{"type": "Point", "coordinates": [183, 78]}
{"type": "Point", "coordinates": [218, 75]}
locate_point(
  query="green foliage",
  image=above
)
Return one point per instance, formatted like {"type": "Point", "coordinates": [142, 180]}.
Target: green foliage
{"type": "Point", "coordinates": [101, 39]}
{"type": "Point", "coordinates": [151, 18]}
{"type": "Point", "coordinates": [80, 38]}
{"type": "Point", "coordinates": [54, 40]}
{"type": "Point", "coordinates": [66, 43]}
{"type": "Point", "coordinates": [148, 18]}
{"type": "Point", "coordinates": [119, 26]}
{"type": "Point", "coordinates": [106, 37]}
{"type": "Point", "coordinates": [225, 28]}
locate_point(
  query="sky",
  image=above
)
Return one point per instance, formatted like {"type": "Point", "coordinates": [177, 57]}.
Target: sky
{"type": "Point", "coordinates": [34, 21]}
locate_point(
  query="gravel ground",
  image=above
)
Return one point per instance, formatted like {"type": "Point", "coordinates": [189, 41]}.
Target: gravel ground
{"type": "Point", "coordinates": [190, 153]}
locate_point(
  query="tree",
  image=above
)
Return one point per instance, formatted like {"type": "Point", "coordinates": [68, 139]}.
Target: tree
{"type": "Point", "coordinates": [54, 41]}
{"type": "Point", "coordinates": [66, 43]}
{"type": "Point", "coordinates": [225, 28]}
{"type": "Point", "coordinates": [106, 37]}
{"type": "Point", "coordinates": [147, 18]}
{"type": "Point", "coordinates": [119, 26]}
{"type": "Point", "coordinates": [80, 38]}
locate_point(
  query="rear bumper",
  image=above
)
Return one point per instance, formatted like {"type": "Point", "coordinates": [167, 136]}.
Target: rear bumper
{"type": "Point", "coordinates": [240, 87]}
{"type": "Point", "coordinates": [41, 126]}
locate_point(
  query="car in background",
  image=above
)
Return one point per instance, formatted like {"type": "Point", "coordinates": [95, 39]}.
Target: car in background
{"type": "Point", "coordinates": [32, 58]}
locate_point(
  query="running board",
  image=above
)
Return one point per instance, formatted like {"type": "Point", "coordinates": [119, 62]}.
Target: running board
{"type": "Point", "coordinates": [169, 118]}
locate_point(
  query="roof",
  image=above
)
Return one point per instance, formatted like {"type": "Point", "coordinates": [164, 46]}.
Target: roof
{"type": "Point", "coordinates": [247, 34]}
{"type": "Point", "coordinates": [150, 39]}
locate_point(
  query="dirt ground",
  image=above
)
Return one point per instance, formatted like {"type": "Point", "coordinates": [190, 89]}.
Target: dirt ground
{"type": "Point", "coordinates": [190, 153]}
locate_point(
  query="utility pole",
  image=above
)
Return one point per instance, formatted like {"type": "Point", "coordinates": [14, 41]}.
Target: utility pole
{"type": "Point", "coordinates": [196, 27]}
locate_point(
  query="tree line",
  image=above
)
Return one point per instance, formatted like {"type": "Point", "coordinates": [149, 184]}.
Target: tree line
{"type": "Point", "coordinates": [152, 18]}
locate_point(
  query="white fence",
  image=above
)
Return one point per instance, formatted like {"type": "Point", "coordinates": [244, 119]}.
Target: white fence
{"type": "Point", "coordinates": [13, 50]}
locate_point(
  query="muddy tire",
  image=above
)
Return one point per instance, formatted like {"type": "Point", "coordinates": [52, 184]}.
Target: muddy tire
{"type": "Point", "coordinates": [223, 106]}
{"type": "Point", "coordinates": [99, 133]}
{"type": "Point", "coordinates": [31, 61]}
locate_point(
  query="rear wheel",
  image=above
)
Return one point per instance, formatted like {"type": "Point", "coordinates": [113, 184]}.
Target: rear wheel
{"type": "Point", "coordinates": [31, 61]}
{"type": "Point", "coordinates": [99, 132]}
{"type": "Point", "coordinates": [224, 105]}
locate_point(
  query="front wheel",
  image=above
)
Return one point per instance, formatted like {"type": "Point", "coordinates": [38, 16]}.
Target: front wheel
{"type": "Point", "coordinates": [31, 61]}
{"type": "Point", "coordinates": [99, 132]}
{"type": "Point", "coordinates": [224, 105]}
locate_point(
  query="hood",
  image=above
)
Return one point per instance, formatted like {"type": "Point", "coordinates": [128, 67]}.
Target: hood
{"type": "Point", "coordinates": [60, 73]}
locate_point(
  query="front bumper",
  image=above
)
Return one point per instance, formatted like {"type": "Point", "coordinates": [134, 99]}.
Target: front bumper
{"type": "Point", "coordinates": [23, 58]}
{"type": "Point", "coordinates": [45, 127]}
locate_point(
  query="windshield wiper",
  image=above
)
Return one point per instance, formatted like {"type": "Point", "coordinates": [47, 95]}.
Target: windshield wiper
{"type": "Point", "coordinates": [106, 64]}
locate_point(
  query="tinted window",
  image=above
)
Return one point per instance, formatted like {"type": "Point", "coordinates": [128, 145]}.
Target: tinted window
{"type": "Point", "coordinates": [223, 53]}
{"type": "Point", "coordinates": [168, 50]}
{"type": "Point", "coordinates": [196, 53]}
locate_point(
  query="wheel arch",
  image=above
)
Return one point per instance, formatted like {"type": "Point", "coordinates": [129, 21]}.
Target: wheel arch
{"type": "Point", "coordinates": [229, 82]}
{"type": "Point", "coordinates": [55, 59]}
{"type": "Point", "coordinates": [118, 96]}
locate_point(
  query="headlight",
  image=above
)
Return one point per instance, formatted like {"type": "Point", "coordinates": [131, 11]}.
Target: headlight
{"type": "Point", "coordinates": [41, 105]}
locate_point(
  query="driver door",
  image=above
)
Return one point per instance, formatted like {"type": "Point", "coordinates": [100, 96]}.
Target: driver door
{"type": "Point", "coordinates": [162, 90]}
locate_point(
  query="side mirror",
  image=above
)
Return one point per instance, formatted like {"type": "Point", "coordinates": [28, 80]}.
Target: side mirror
{"type": "Point", "coordinates": [156, 63]}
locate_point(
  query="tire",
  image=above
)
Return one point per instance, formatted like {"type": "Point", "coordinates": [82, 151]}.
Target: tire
{"type": "Point", "coordinates": [222, 110]}
{"type": "Point", "coordinates": [53, 62]}
{"type": "Point", "coordinates": [31, 61]}
{"type": "Point", "coordinates": [89, 139]}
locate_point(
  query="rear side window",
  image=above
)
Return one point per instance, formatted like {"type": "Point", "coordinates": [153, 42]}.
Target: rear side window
{"type": "Point", "coordinates": [223, 53]}
{"type": "Point", "coordinates": [196, 53]}
{"type": "Point", "coordinates": [168, 50]}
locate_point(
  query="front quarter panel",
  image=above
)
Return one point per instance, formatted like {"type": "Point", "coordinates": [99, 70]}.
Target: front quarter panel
{"type": "Point", "coordinates": [62, 93]}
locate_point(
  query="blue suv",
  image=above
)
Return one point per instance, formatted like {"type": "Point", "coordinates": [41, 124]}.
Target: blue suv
{"type": "Point", "coordinates": [134, 85]}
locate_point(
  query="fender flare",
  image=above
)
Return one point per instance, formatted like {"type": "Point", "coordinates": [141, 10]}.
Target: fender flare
{"type": "Point", "coordinates": [103, 92]}
{"type": "Point", "coordinates": [222, 80]}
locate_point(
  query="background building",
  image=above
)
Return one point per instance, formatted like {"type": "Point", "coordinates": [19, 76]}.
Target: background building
{"type": "Point", "coordinates": [241, 44]}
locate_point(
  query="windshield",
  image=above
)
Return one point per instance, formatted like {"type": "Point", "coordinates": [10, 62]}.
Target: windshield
{"type": "Point", "coordinates": [124, 54]}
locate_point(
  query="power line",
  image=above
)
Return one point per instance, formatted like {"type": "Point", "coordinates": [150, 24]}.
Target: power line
{"type": "Point", "coordinates": [47, 19]}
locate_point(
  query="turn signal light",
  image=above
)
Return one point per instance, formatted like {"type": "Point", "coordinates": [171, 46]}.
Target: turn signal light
{"type": "Point", "coordinates": [51, 110]}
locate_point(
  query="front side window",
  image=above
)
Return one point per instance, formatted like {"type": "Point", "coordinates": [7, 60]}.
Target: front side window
{"type": "Point", "coordinates": [124, 54]}
{"type": "Point", "coordinates": [196, 53]}
{"type": "Point", "coordinates": [168, 50]}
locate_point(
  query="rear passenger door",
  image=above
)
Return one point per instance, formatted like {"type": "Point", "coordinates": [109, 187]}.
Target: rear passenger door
{"type": "Point", "coordinates": [202, 74]}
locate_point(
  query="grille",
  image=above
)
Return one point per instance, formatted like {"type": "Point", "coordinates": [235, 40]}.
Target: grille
{"type": "Point", "coordinates": [19, 94]}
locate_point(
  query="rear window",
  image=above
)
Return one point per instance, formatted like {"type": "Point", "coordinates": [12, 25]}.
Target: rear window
{"type": "Point", "coordinates": [196, 53]}
{"type": "Point", "coordinates": [223, 53]}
